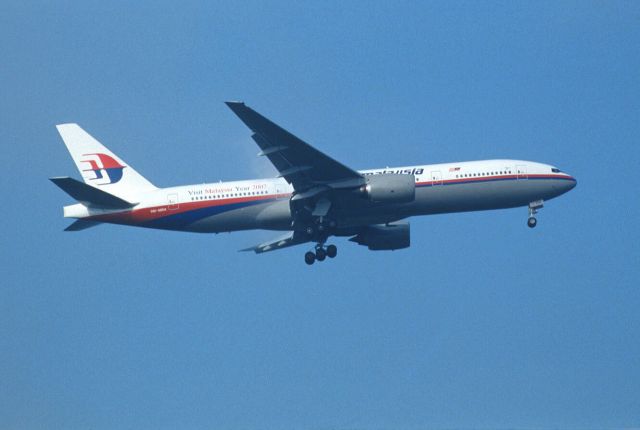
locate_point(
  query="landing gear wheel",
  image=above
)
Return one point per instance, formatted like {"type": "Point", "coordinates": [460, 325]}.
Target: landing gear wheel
{"type": "Point", "coordinates": [321, 254]}
{"type": "Point", "coordinates": [309, 258]}
{"type": "Point", "coordinates": [332, 251]}
{"type": "Point", "coordinates": [532, 222]}
{"type": "Point", "coordinates": [309, 231]}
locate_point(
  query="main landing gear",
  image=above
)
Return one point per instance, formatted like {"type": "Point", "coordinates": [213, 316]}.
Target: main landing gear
{"type": "Point", "coordinates": [321, 254]}
{"type": "Point", "coordinates": [533, 209]}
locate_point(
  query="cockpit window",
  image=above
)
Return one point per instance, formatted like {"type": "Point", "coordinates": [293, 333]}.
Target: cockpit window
{"type": "Point", "coordinates": [555, 170]}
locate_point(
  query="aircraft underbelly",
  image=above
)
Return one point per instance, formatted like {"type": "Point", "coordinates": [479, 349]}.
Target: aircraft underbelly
{"type": "Point", "coordinates": [482, 196]}
{"type": "Point", "coordinates": [456, 198]}
{"type": "Point", "coordinates": [430, 199]}
{"type": "Point", "coordinates": [274, 215]}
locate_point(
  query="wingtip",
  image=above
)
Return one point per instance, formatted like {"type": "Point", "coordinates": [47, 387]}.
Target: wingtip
{"type": "Point", "coordinates": [56, 179]}
{"type": "Point", "coordinates": [232, 103]}
{"type": "Point", "coordinates": [66, 125]}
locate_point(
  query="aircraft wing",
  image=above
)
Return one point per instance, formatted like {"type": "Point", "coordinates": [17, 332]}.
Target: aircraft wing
{"type": "Point", "coordinates": [290, 239]}
{"type": "Point", "coordinates": [299, 163]}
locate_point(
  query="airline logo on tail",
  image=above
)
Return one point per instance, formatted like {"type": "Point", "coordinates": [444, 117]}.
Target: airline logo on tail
{"type": "Point", "coordinates": [104, 167]}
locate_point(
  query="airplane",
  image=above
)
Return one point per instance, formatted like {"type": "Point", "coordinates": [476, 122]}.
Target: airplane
{"type": "Point", "coordinates": [313, 198]}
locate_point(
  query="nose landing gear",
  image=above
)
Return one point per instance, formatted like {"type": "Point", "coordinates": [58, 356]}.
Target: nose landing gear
{"type": "Point", "coordinates": [533, 209]}
{"type": "Point", "coordinates": [321, 254]}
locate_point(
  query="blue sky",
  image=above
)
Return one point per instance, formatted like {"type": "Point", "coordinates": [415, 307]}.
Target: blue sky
{"type": "Point", "coordinates": [481, 323]}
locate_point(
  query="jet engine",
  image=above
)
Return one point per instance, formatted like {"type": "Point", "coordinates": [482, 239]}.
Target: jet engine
{"type": "Point", "coordinates": [390, 188]}
{"type": "Point", "coordinates": [385, 237]}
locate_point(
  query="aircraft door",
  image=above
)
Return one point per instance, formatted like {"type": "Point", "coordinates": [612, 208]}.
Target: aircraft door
{"type": "Point", "coordinates": [172, 200]}
{"type": "Point", "coordinates": [436, 178]}
{"type": "Point", "coordinates": [521, 171]}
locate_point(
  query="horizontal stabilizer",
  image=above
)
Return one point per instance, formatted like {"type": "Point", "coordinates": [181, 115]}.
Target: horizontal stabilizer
{"type": "Point", "coordinates": [81, 225]}
{"type": "Point", "coordinates": [88, 195]}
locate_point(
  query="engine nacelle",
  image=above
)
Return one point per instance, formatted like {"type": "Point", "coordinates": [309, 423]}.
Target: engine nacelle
{"type": "Point", "coordinates": [385, 237]}
{"type": "Point", "coordinates": [390, 188]}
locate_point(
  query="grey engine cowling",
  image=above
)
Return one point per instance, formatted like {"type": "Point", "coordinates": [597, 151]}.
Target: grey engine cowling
{"type": "Point", "coordinates": [390, 188]}
{"type": "Point", "coordinates": [385, 237]}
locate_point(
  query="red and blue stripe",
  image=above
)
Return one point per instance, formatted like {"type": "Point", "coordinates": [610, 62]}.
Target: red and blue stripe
{"type": "Point", "coordinates": [494, 178]}
{"type": "Point", "coordinates": [181, 215]}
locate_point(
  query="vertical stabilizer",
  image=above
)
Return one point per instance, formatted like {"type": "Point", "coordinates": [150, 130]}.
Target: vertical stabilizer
{"type": "Point", "coordinates": [100, 167]}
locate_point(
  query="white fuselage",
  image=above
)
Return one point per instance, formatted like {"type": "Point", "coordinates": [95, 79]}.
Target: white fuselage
{"type": "Point", "coordinates": [264, 203]}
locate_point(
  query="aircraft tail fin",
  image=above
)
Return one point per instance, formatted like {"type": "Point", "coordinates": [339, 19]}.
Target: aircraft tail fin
{"type": "Point", "coordinates": [100, 168]}
{"type": "Point", "coordinates": [90, 196]}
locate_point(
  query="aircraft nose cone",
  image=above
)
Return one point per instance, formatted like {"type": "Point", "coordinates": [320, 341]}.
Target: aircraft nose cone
{"type": "Point", "coordinates": [570, 184]}
{"type": "Point", "coordinates": [566, 184]}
